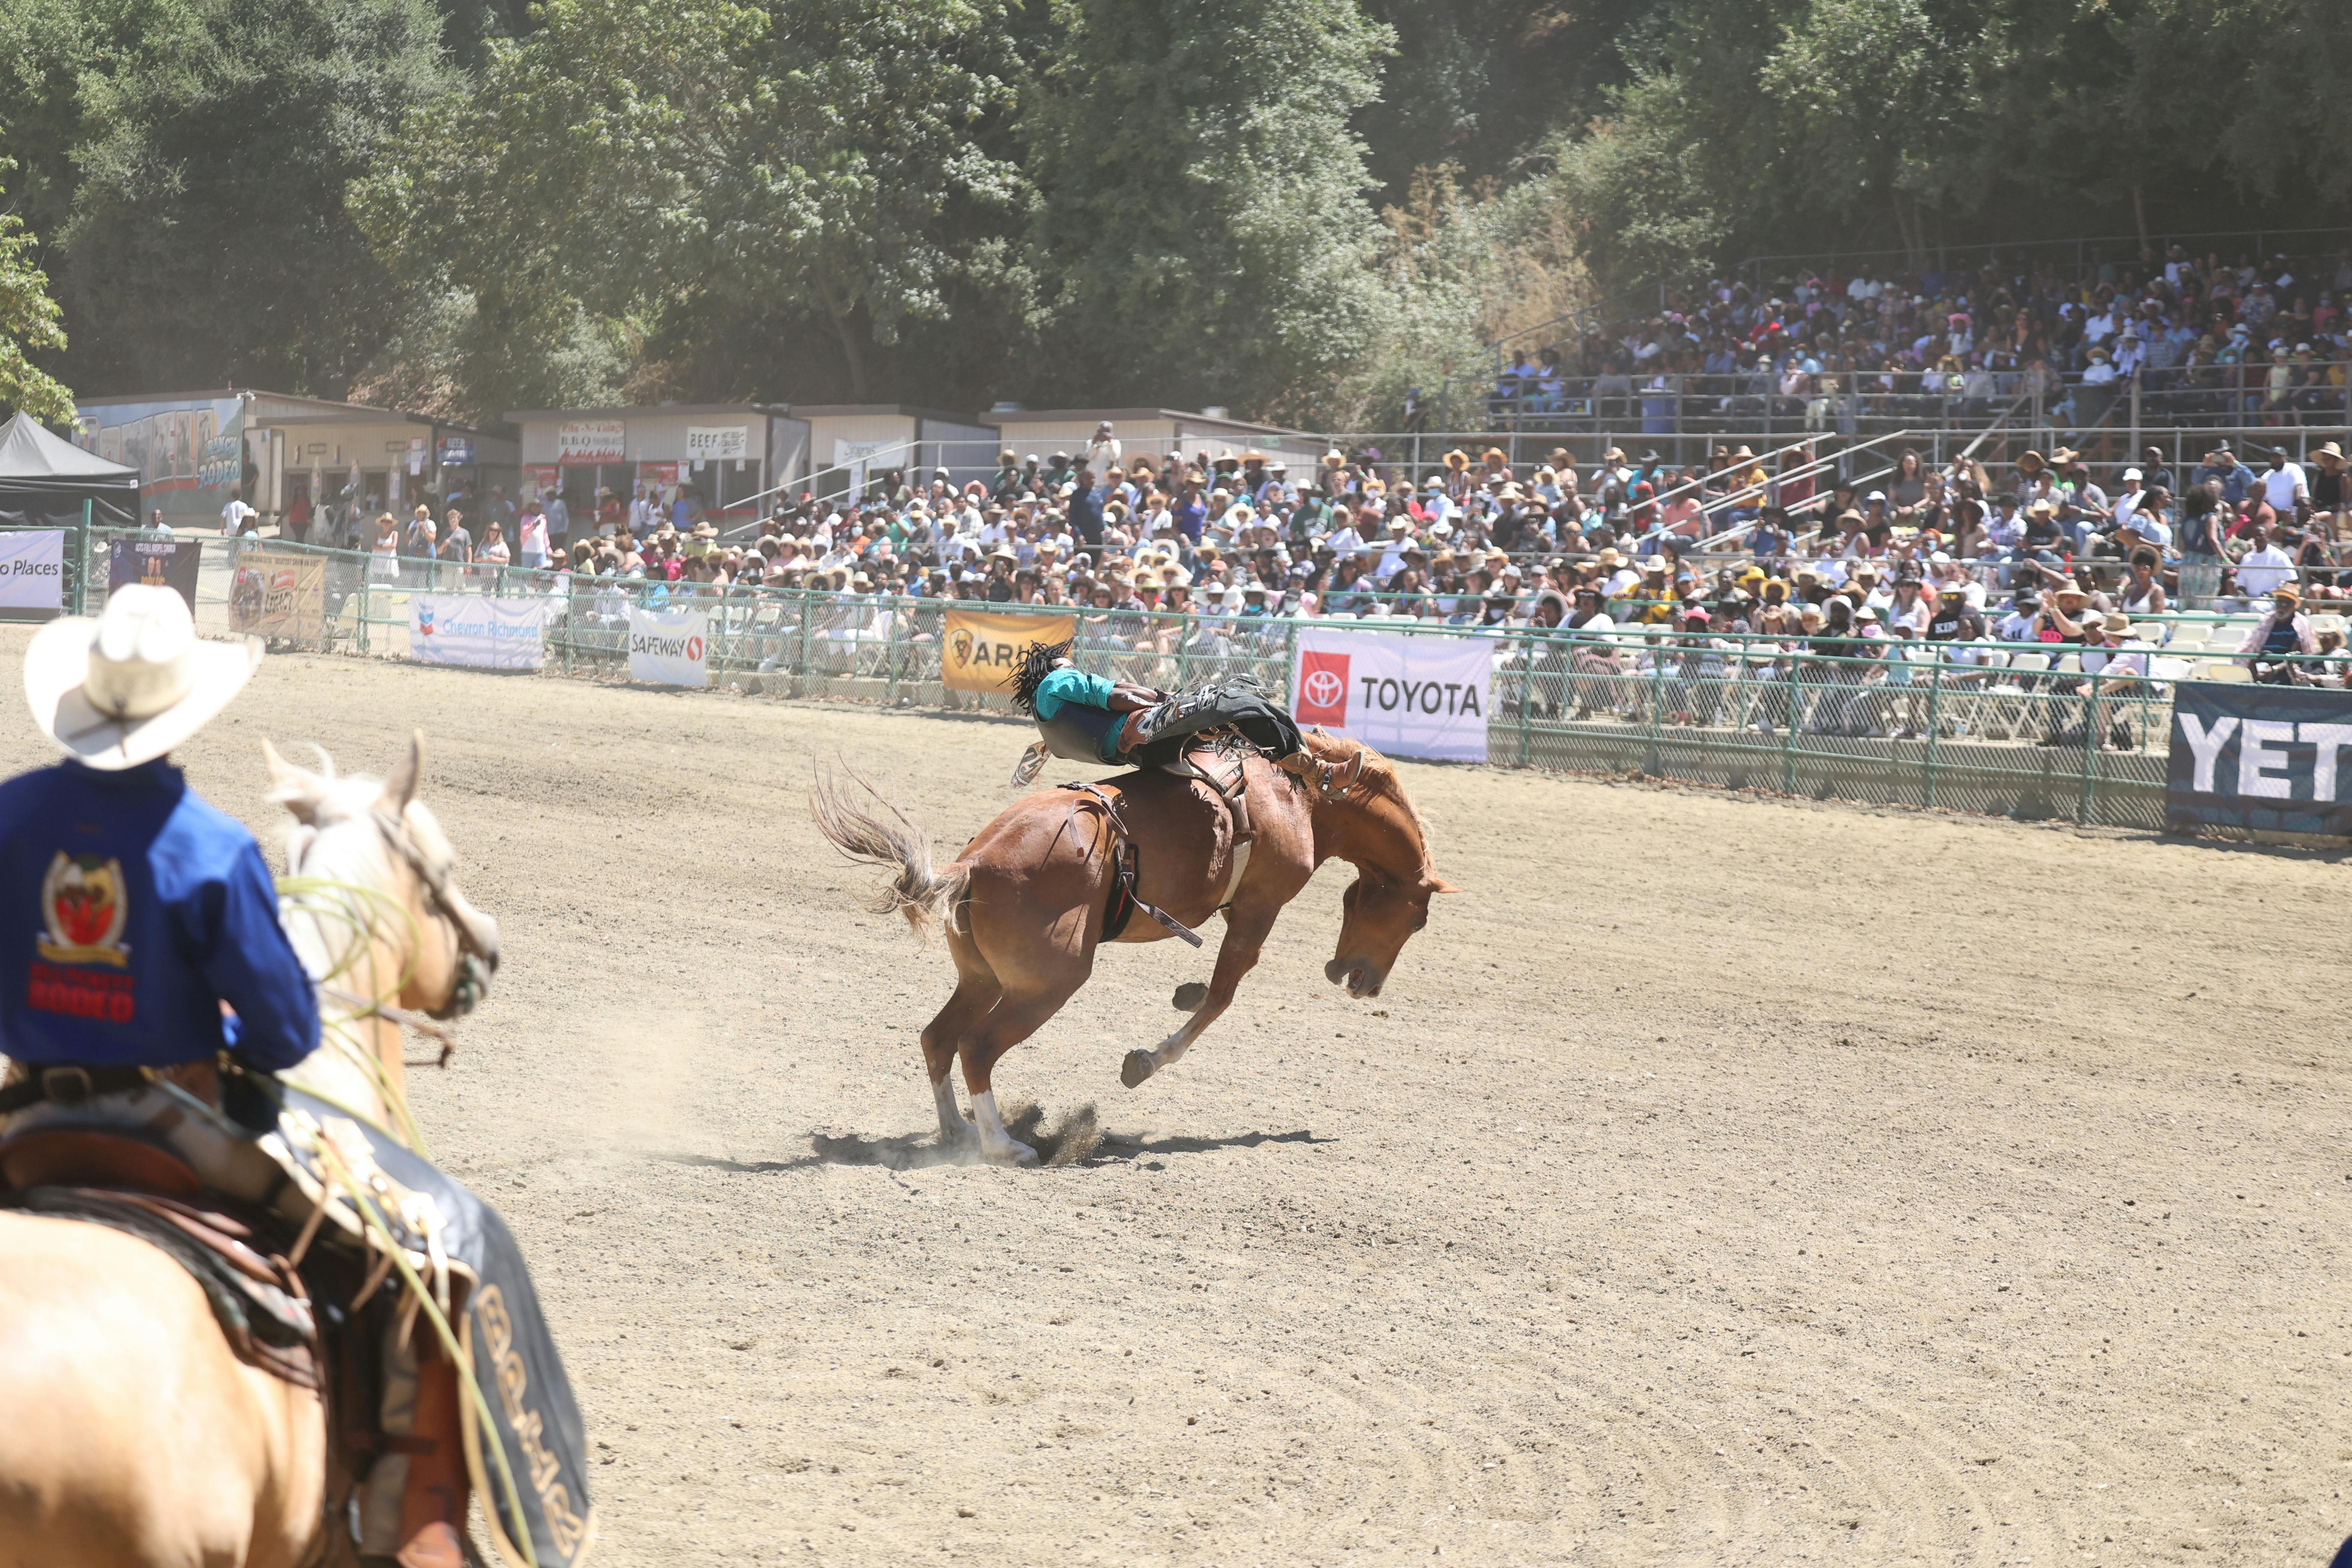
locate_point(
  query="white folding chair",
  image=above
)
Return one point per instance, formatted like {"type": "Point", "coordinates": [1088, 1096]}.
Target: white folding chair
{"type": "Point", "coordinates": [2007, 702]}
{"type": "Point", "coordinates": [2226, 673]}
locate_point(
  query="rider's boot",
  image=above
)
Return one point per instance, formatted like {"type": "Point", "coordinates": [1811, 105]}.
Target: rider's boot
{"type": "Point", "coordinates": [432, 1505]}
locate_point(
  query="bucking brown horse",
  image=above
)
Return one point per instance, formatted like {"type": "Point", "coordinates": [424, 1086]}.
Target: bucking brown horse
{"type": "Point", "coordinates": [1023, 905]}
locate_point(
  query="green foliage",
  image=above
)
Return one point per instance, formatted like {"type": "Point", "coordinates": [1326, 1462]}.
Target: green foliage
{"type": "Point", "coordinates": [1819, 125]}
{"type": "Point", "coordinates": [29, 324]}
{"type": "Point", "coordinates": [639, 162]}
{"type": "Point", "coordinates": [1295, 209]}
{"type": "Point", "coordinates": [1202, 230]}
{"type": "Point", "coordinates": [187, 160]}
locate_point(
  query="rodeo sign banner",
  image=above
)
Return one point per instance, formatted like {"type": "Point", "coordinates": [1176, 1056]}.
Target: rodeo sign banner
{"type": "Point", "coordinates": [2263, 758]}
{"type": "Point", "coordinates": [670, 650]}
{"type": "Point", "coordinates": [1408, 695]}
{"type": "Point", "coordinates": [475, 632]}
{"type": "Point", "coordinates": [981, 652]}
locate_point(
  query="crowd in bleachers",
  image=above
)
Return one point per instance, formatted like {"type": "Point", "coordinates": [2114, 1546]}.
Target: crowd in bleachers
{"type": "Point", "coordinates": [2210, 340]}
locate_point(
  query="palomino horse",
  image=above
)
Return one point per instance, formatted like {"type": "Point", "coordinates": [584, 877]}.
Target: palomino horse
{"type": "Point", "coordinates": [1024, 904]}
{"type": "Point", "coordinates": [134, 1438]}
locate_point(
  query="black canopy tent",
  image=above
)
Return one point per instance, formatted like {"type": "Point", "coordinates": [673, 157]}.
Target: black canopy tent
{"type": "Point", "coordinates": [45, 482]}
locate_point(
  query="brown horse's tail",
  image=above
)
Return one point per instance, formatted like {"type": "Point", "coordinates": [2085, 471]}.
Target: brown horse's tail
{"type": "Point", "coordinates": [925, 897]}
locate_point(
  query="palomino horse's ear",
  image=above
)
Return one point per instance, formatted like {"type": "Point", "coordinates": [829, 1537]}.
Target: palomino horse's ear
{"type": "Point", "coordinates": [295, 788]}
{"type": "Point", "coordinates": [401, 788]}
{"type": "Point", "coordinates": [1443, 887]}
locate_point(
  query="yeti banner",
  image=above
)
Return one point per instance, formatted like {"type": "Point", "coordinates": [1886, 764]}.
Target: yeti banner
{"type": "Point", "coordinates": [2266, 758]}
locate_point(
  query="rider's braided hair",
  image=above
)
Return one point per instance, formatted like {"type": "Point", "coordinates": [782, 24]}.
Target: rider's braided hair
{"type": "Point", "coordinates": [1035, 666]}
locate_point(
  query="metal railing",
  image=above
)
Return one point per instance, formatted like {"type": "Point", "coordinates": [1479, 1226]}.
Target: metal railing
{"type": "Point", "coordinates": [2017, 730]}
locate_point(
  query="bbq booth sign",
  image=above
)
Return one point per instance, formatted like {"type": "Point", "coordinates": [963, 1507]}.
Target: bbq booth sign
{"type": "Point", "coordinates": [1407, 696]}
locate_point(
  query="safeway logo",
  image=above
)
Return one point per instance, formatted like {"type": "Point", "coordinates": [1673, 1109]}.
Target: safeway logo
{"type": "Point", "coordinates": [1322, 688]}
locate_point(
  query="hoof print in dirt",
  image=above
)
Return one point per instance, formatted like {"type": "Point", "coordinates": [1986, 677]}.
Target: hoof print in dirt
{"type": "Point", "coordinates": [1190, 995]}
{"type": "Point", "coordinates": [1137, 1066]}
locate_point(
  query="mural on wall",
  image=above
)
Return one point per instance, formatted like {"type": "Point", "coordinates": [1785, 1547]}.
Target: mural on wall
{"type": "Point", "coordinates": [190, 454]}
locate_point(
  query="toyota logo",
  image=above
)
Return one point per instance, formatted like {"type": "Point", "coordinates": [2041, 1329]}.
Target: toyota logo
{"type": "Point", "coordinates": [1323, 689]}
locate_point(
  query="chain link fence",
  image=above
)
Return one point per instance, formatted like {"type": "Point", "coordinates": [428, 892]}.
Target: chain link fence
{"type": "Point", "coordinates": [2015, 731]}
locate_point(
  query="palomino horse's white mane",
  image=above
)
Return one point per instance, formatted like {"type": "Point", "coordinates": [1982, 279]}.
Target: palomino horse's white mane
{"type": "Point", "coordinates": [350, 910]}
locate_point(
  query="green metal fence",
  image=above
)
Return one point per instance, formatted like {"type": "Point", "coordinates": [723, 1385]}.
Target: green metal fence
{"type": "Point", "coordinates": [2011, 731]}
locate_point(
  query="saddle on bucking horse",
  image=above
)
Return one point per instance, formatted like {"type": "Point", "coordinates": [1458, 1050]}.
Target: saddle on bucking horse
{"type": "Point", "coordinates": [1207, 734]}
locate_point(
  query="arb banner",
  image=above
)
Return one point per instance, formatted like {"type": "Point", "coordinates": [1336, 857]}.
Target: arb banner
{"type": "Point", "coordinates": [159, 562]}
{"type": "Point", "coordinates": [671, 650]}
{"type": "Point", "coordinates": [1408, 695]}
{"type": "Point", "coordinates": [981, 652]}
{"type": "Point", "coordinates": [32, 573]}
{"type": "Point", "coordinates": [476, 632]}
{"type": "Point", "coordinates": [2263, 758]}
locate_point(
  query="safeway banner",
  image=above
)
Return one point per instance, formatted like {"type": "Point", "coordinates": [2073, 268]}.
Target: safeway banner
{"type": "Point", "coordinates": [33, 571]}
{"type": "Point", "coordinates": [2271, 758]}
{"type": "Point", "coordinates": [1408, 695]}
{"type": "Point", "coordinates": [670, 650]}
{"type": "Point", "coordinates": [981, 651]}
{"type": "Point", "coordinates": [478, 632]}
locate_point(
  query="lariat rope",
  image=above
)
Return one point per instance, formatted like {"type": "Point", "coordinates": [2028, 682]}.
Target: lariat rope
{"type": "Point", "coordinates": [314, 896]}
{"type": "Point", "coordinates": [317, 896]}
{"type": "Point", "coordinates": [342, 1177]}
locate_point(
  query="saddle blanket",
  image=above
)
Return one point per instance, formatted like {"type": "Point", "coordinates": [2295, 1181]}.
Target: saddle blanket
{"type": "Point", "coordinates": [533, 1416]}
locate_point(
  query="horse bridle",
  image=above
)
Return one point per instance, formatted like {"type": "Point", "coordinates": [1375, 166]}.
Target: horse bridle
{"type": "Point", "coordinates": [475, 961]}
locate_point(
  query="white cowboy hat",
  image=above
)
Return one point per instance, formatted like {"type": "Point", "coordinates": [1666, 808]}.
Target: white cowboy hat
{"type": "Point", "coordinates": [128, 686]}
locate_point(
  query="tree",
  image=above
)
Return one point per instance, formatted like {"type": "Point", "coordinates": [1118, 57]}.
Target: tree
{"type": "Point", "coordinates": [186, 160]}
{"type": "Point", "coordinates": [648, 162]}
{"type": "Point", "coordinates": [1202, 231]}
{"type": "Point", "coordinates": [30, 323]}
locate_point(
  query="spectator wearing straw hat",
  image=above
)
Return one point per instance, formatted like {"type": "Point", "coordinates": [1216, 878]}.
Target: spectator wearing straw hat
{"type": "Point", "coordinates": [2330, 492]}
{"type": "Point", "coordinates": [2284, 633]}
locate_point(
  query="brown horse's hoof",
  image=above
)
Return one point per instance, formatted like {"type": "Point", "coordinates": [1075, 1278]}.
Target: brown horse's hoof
{"type": "Point", "coordinates": [1190, 995]}
{"type": "Point", "coordinates": [1137, 1066]}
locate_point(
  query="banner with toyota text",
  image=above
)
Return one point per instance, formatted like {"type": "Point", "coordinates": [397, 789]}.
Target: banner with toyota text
{"type": "Point", "coordinates": [981, 651]}
{"type": "Point", "coordinates": [2264, 758]}
{"type": "Point", "coordinates": [1407, 696]}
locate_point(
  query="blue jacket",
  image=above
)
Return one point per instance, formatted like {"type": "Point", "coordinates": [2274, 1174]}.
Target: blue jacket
{"type": "Point", "coordinates": [137, 910]}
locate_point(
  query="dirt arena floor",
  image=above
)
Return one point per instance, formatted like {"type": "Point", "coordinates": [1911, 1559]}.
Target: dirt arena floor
{"type": "Point", "coordinates": [1718, 1181]}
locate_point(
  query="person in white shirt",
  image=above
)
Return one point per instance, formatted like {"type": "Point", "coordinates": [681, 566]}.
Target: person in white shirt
{"type": "Point", "coordinates": [2264, 568]}
{"type": "Point", "coordinates": [232, 515]}
{"type": "Point", "coordinates": [641, 515]}
{"type": "Point", "coordinates": [2127, 502]}
{"type": "Point", "coordinates": [1102, 452]}
{"type": "Point", "coordinates": [1436, 505]}
{"type": "Point", "coordinates": [2284, 485]}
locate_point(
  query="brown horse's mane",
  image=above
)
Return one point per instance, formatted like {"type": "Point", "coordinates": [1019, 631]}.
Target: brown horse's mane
{"type": "Point", "coordinates": [1378, 779]}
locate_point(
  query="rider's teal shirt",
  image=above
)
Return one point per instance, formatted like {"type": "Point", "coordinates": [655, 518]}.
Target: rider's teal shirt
{"type": "Point", "coordinates": [1087, 690]}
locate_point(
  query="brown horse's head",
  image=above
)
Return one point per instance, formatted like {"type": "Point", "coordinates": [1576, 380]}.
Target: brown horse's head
{"type": "Point", "coordinates": [1381, 833]}
{"type": "Point", "coordinates": [1382, 912]}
